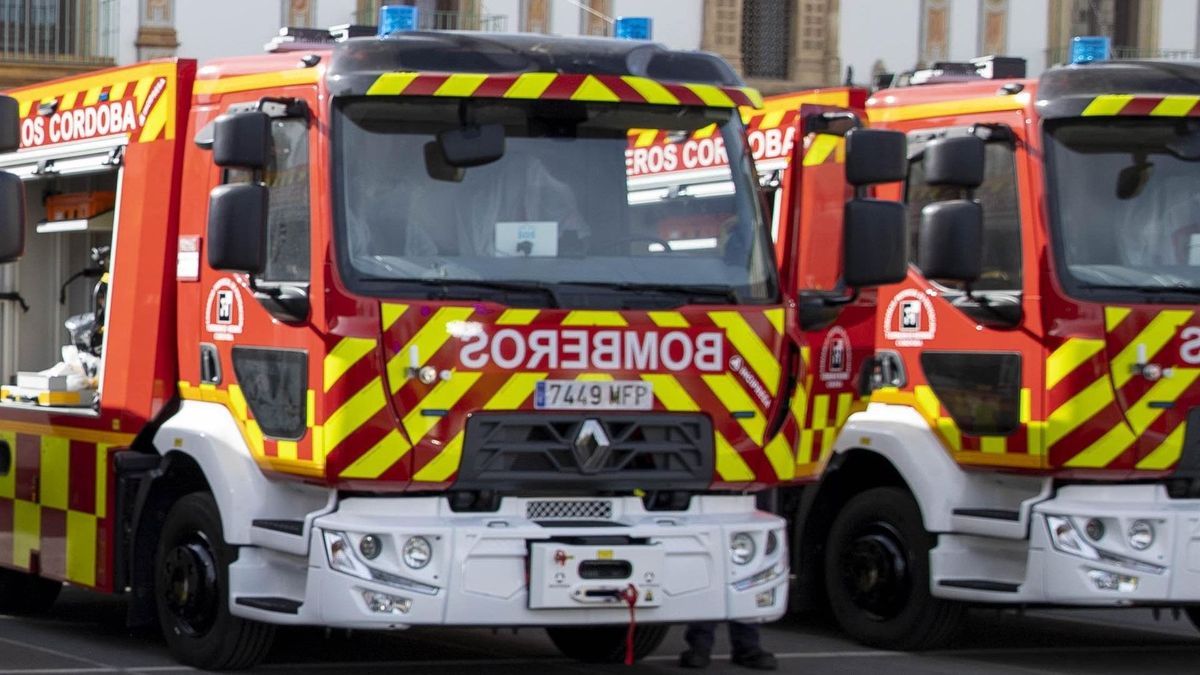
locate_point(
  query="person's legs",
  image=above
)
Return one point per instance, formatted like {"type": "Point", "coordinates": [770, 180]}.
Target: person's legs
{"type": "Point", "coordinates": [747, 648]}
{"type": "Point", "coordinates": [700, 637]}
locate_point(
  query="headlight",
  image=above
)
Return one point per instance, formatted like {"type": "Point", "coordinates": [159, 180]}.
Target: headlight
{"type": "Point", "coordinates": [1141, 535]}
{"type": "Point", "coordinates": [741, 548]}
{"type": "Point", "coordinates": [417, 552]}
{"type": "Point", "coordinates": [341, 555]}
{"type": "Point", "coordinates": [1065, 538]}
{"type": "Point", "coordinates": [370, 547]}
{"type": "Point", "coordinates": [1094, 529]}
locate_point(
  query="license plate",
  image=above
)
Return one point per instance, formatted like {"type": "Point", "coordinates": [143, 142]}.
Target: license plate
{"type": "Point", "coordinates": [585, 395]}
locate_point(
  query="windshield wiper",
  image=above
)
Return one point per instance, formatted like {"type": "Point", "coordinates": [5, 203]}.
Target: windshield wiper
{"type": "Point", "coordinates": [444, 286]}
{"type": "Point", "coordinates": [726, 293]}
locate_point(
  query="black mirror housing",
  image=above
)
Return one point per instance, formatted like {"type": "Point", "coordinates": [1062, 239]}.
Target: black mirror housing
{"type": "Point", "coordinates": [875, 156]}
{"type": "Point", "coordinates": [12, 217]}
{"type": "Point", "coordinates": [472, 146]}
{"type": "Point", "coordinates": [874, 244]}
{"type": "Point", "coordinates": [957, 162]}
{"type": "Point", "coordinates": [242, 140]}
{"type": "Point", "coordinates": [950, 241]}
{"type": "Point", "coordinates": [438, 168]}
{"type": "Point", "coordinates": [10, 124]}
{"type": "Point", "coordinates": [237, 227]}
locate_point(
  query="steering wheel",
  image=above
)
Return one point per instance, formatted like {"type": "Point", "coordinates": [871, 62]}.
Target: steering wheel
{"type": "Point", "coordinates": [627, 239]}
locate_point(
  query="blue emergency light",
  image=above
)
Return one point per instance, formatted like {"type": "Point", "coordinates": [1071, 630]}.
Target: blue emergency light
{"type": "Point", "coordinates": [633, 27]}
{"type": "Point", "coordinates": [397, 18]}
{"type": "Point", "coordinates": [1090, 48]}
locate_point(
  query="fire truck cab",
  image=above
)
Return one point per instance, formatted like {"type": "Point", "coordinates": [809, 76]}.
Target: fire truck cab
{"type": "Point", "coordinates": [1032, 434]}
{"type": "Point", "coordinates": [380, 331]}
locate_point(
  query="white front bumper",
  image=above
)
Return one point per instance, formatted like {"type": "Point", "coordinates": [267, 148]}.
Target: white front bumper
{"type": "Point", "coordinates": [480, 568]}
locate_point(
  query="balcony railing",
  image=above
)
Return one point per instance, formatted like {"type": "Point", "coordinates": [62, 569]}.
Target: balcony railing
{"type": "Point", "coordinates": [1060, 56]}
{"type": "Point", "coordinates": [491, 23]}
{"type": "Point", "coordinates": [66, 31]}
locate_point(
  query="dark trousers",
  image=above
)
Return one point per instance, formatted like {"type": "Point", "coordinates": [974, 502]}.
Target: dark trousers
{"type": "Point", "coordinates": [743, 637]}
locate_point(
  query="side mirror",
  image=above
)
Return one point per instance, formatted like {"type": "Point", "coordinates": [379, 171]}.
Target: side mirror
{"type": "Point", "coordinates": [875, 156]}
{"type": "Point", "coordinates": [472, 146]}
{"type": "Point", "coordinates": [237, 227]}
{"type": "Point", "coordinates": [950, 241]}
{"type": "Point", "coordinates": [874, 242]}
{"type": "Point", "coordinates": [242, 140]}
{"type": "Point", "coordinates": [10, 124]}
{"type": "Point", "coordinates": [957, 162]}
{"type": "Point", "coordinates": [12, 217]}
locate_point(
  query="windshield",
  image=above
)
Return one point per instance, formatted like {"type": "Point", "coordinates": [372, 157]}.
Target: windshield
{"type": "Point", "coordinates": [1125, 207]}
{"type": "Point", "coordinates": [552, 207]}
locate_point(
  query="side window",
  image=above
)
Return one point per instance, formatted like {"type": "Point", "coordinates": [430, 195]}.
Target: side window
{"type": "Point", "coordinates": [1001, 216]}
{"type": "Point", "coordinates": [288, 218]}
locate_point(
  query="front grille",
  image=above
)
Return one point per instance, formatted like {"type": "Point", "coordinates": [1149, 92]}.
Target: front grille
{"type": "Point", "coordinates": [565, 509]}
{"type": "Point", "coordinates": [559, 451]}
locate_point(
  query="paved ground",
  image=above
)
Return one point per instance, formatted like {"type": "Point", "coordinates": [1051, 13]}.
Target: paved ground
{"type": "Point", "coordinates": [84, 634]}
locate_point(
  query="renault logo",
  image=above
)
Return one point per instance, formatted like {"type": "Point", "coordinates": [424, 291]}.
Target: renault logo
{"type": "Point", "coordinates": [591, 446]}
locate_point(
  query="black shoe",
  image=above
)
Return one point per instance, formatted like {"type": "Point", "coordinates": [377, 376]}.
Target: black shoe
{"type": "Point", "coordinates": [759, 659]}
{"type": "Point", "coordinates": [694, 659]}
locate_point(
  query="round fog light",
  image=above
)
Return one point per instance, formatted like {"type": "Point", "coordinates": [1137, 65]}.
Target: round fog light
{"type": "Point", "coordinates": [741, 548]}
{"type": "Point", "coordinates": [370, 547]}
{"type": "Point", "coordinates": [417, 552]}
{"type": "Point", "coordinates": [1094, 528]}
{"type": "Point", "coordinates": [1141, 535]}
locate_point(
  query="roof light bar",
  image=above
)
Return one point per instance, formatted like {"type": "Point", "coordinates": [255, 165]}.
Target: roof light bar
{"type": "Point", "coordinates": [396, 19]}
{"type": "Point", "coordinates": [1091, 48]}
{"type": "Point", "coordinates": [633, 27]}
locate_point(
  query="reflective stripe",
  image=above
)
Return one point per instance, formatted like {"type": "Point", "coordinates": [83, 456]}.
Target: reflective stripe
{"type": "Point", "coordinates": [443, 396]}
{"type": "Point", "coordinates": [1113, 316]}
{"type": "Point", "coordinates": [780, 456]}
{"type": "Point", "coordinates": [668, 319]}
{"type": "Point", "coordinates": [461, 84]}
{"type": "Point", "coordinates": [445, 464]}
{"type": "Point", "coordinates": [736, 400]}
{"type": "Point", "coordinates": [1108, 104]}
{"type": "Point", "coordinates": [1079, 409]}
{"type": "Point", "coordinates": [650, 90]}
{"type": "Point", "coordinates": [391, 84]}
{"type": "Point", "coordinates": [517, 317]}
{"type": "Point", "coordinates": [761, 359]}
{"type": "Point", "coordinates": [711, 96]}
{"type": "Point", "coordinates": [594, 318]}
{"type": "Point", "coordinates": [390, 312]}
{"type": "Point", "coordinates": [1175, 106]}
{"type": "Point", "coordinates": [730, 465]}
{"type": "Point", "coordinates": [1154, 337]}
{"type": "Point", "coordinates": [353, 414]}
{"type": "Point", "coordinates": [381, 457]}
{"type": "Point", "coordinates": [343, 357]}
{"type": "Point", "coordinates": [1069, 356]}
{"type": "Point", "coordinates": [427, 341]}
{"type": "Point", "coordinates": [1167, 453]}
{"type": "Point", "coordinates": [55, 472]}
{"type": "Point", "coordinates": [670, 393]}
{"type": "Point", "coordinates": [592, 90]}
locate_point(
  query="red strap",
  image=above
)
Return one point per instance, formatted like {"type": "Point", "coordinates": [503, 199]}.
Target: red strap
{"type": "Point", "coordinates": [630, 596]}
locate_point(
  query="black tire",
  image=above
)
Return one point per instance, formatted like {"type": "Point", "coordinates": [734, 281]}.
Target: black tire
{"type": "Point", "coordinates": [191, 592]}
{"type": "Point", "coordinates": [606, 644]}
{"type": "Point", "coordinates": [877, 574]}
{"type": "Point", "coordinates": [23, 593]}
{"type": "Point", "coordinates": [1193, 615]}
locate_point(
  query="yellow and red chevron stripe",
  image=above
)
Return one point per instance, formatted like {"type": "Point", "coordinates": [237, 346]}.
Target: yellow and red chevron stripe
{"type": "Point", "coordinates": [1110, 105]}
{"type": "Point", "coordinates": [558, 86]}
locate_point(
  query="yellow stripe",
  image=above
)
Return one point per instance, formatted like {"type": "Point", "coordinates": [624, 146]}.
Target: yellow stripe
{"type": "Point", "coordinates": [515, 391]}
{"type": "Point", "coordinates": [1141, 415]}
{"type": "Point", "coordinates": [237, 401]}
{"type": "Point", "coordinates": [592, 89]}
{"type": "Point", "coordinates": [735, 399]}
{"type": "Point", "coordinates": [670, 393]}
{"type": "Point", "coordinates": [310, 408]}
{"type": "Point", "coordinates": [820, 414]}
{"type": "Point", "coordinates": [286, 450]}
{"type": "Point", "coordinates": [755, 96]}
{"type": "Point", "coordinates": [390, 313]}
{"type": "Point", "coordinates": [24, 107]}
{"type": "Point", "coordinates": [530, 85]}
{"type": "Point", "coordinates": [1175, 106]}
{"type": "Point", "coordinates": [1104, 450]}
{"type": "Point", "coordinates": [460, 85]}
{"type": "Point", "coordinates": [951, 432]}
{"type": "Point", "coordinates": [443, 396]}
{"type": "Point", "coordinates": [594, 377]}
{"type": "Point", "coordinates": [645, 137]}
{"type": "Point", "coordinates": [1108, 104]}
{"type": "Point", "coordinates": [951, 108]}
{"type": "Point", "coordinates": [1078, 410]}
{"type": "Point", "coordinates": [281, 78]}
{"type": "Point", "coordinates": [68, 101]}
{"type": "Point", "coordinates": [780, 456]}
{"type": "Point", "coordinates": [92, 97]}
{"type": "Point", "coordinates": [141, 91]}
{"type": "Point", "coordinates": [353, 414]}
{"type": "Point", "coordinates": [81, 548]}
{"type": "Point", "coordinates": [444, 465]}
{"type": "Point", "coordinates": [55, 472]}
{"type": "Point", "coordinates": [517, 317]}
{"type": "Point", "coordinates": [1026, 403]}
{"type": "Point", "coordinates": [844, 402]}
{"type": "Point", "coordinates": [27, 531]}
{"type": "Point", "coordinates": [1037, 433]}
{"type": "Point", "coordinates": [668, 319]}
{"type": "Point", "coordinates": [775, 316]}
{"type": "Point", "coordinates": [1113, 316]}
{"type": "Point", "coordinates": [1155, 336]}
{"type": "Point", "coordinates": [730, 465]}
{"type": "Point", "coordinates": [762, 361]}
{"type": "Point", "coordinates": [650, 90]}
{"type": "Point", "coordinates": [927, 401]}
{"type": "Point", "coordinates": [254, 436]}
{"type": "Point", "coordinates": [161, 116]}
{"type": "Point", "coordinates": [1069, 356]}
{"type": "Point", "coordinates": [101, 508]}
{"type": "Point", "coordinates": [711, 96]}
{"type": "Point", "coordinates": [88, 82]}
{"type": "Point", "coordinates": [821, 148]}
{"type": "Point", "coordinates": [594, 318]}
{"type": "Point", "coordinates": [1167, 453]}
{"type": "Point", "coordinates": [343, 357]}
{"type": "Point", "coordinates": [427, 341]}
{"type": "Point", "coordinates": [772, 119]}
{"type": "Point", "coordinates": [69, 433]}
{"type": "Point", "coordinates": [8, 479]}
{"type": "Point", "coordinates": [993, 444]}
{"type": "Point", "coordinates": [382, 456]}
{"type": "Point", "coordinates": [118, 91]}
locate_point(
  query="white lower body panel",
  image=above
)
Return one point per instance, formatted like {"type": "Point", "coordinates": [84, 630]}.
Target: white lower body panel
{"type": "Point", "coordinates": [480, 568]}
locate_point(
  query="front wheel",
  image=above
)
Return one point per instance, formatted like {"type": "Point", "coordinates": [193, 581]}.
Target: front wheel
{"type": "Point", "coordinates": [22, 593]}
{"type": "Point", "coordinates": [606, 644]}
{"type": "Point", "coordinates": [191, 592]}
{"type": "Point", "coordinates": [877, 574]}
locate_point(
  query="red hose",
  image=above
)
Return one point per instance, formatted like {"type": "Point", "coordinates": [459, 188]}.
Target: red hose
{"type": "Point", "coordinates": [630, 596]}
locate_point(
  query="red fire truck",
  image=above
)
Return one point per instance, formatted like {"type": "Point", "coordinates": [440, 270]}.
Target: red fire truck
{"type": "Point", "coordinates": [1031, 437]}
{"type": "Point", "coordinates": [382, 332]}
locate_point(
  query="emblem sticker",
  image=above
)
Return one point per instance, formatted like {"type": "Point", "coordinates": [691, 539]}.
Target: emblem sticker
{"type": "Point", "coordinates": [834, 367]}
{"type": "Point", "coordinates": [223, 313]}
{"type": "Point", "coordinates": [909, 320]}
